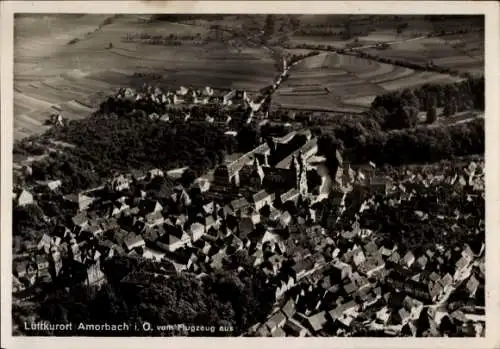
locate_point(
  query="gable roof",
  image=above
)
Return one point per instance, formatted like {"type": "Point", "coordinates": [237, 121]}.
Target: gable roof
{"type": "Point", "coordinates": [317, 321]}
{"type": "Point", "coordinates": [80, 218]}
{"type": "Point", "coordinates": [239, 204]}
{"type": "Point", "coordinates": [289, 195]}
{"type": "Point", "coordinates": [308, 146]}
{"type": "Point", "coordinates": [132, 239]}
{"type": "Point", "coordinates": [289, 308]}
{"type": "Point", "coordinates": [261, 195]}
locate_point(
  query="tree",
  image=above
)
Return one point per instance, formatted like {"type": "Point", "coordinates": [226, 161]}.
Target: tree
{"type": "Point", "coordinates": [431, 115]}
{"type": "Point", "coordinates": [295, 23]}
{"type": "Point", "coordinates": [265, 211]}
{"type": "Point", "coordinates": [248, 138]}
{"type": "Point", "coordinates": [448, 109]}
{"type": "Point", "coordinates": [188, 177]}
{"type": "Point", "coordinates": [269, 25]}
{"type": "Point", "coordinates": [405, 117]}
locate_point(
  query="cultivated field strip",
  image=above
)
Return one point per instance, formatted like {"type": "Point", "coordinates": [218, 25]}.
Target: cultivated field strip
{"type": "Point", "coordinates": [340, 82]}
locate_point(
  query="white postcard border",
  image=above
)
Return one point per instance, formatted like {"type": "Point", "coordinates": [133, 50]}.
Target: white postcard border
{"type": "Point", "coordinates": [492, 52]}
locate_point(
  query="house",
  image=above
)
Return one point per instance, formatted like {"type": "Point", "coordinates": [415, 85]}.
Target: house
{"type": "Point", "coordinates": [446, 280]}
{"type": "Point", "coordinates": [317, 322]}
{"type": "Point", "coordinates": [81, 201]}
{"type": "Point", "coordinates": [218, 259]}
{"type": "Point", "coordinates": [17, 285]}
{"type": "Point", "coordinates": [472, 286]}
{"type": "Point", "coordinates": [343, 309]}
{"type": "Point", "coordinates": [343, 269]}
{"type": "Point", "coordinates": [154, 219]}
{"type": "Point", "coordinates": [467, 253]}
{"type": "Point", "coordinates": [261, 199]}
{"type": "Point", "coordinates": [25, 198]}
{"type": "Point", "coordinates": [42, 263]}
{"type": "Point", "coordinates": [402, 316]}
{"type": "Point", "coordinates": [417, 277]}
{"type": "Point", "coordinates": [156, 172]}
{"type": "Point", "coordinates": [303, 268]}
{"type": "Point", "coordinates": [211, 222]}
{"type": "Point", "coordinates": [197, 230]}
{"type": "Point", "coordinates": [227, 211]}
{"type": "Point", "coordinates": [434, 277]}
{"type": "Point", "coordinates": [80, 220]}
{"type": "Point", "coordinates": [289, 308]}
{"type": "Point", "coordinates": [371, 248]}
{"type": "Point", "coordinates": [371, 266]}
{"type": "Point", "coordinates": [96, 230]}
{"type": "Point", "coordinates": [245, 227]}
{"type": "Point", "coordinates": [20, 268]}
{"type": "Point", "coordinates": [118, 207]}
{"type": "Point", "coordinates": [295, 329]}
{"type": "Point", "coordinates": [350, 288]}
{"type": "Point", "coordinates": [239, 204]}
{"type": "Point", "coordinates": [149, 206]}
{"type": "Point", "coordinates": [233, 242]}
{"type": "Point", "coordinates": [173, 239]}
{"type": "Point", "coordinates": [52, 185]}
{"type": "Point", "coordinates": [422, 261]}
{"type": "Point", "coordinates": [414, 306]}
{"type": "Point", "coordinates": [263, 331]}
{"type": "Point", "coordinates": [208, 208]}
{"type": "Point", "coordinates": [279, 332]}
{"type": "Point", "coordinates": [408, 259]}
{"type": "Point", "coordinates": [461, 267]}
{"type": "Point", "coordinates": [358, 256]}
{"type": "Point", "coordinates": [276, 320]}
{"type": "Point", "coordinates": [387, 249]}
{"type": "Point", "coordinates": [119, 183]}
{"type": "Point", "coordinates": [436, 291]}
{"type": "Point", "coordinates": [202, 184]}
{"type": "Point", "coordinates": [395, 258]}
{"type": "Point", "coordinates": [133, 241]}
{"type": "Point", "coordinates": [383, 315]}
{"type": "Point", "coordinates": [290, 195]}
{"type": "Point", "coordinates": [44, 243]}
{"type": "Point", "coordinates": [429, 253]}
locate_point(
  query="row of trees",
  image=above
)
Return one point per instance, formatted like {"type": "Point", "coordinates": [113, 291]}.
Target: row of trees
{"type": "Point", "coordinates": [167, 40]}
{"type": "Point", "coordinates": [429, 66]}
{"type": "Point", "coordinates": [179, 17]}
{"type": "Point", "coordinates": [146, 36]}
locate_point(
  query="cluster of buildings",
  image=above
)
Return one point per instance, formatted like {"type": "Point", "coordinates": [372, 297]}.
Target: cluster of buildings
{"type": "Point", "coordinates": [372, 285]}
{"type": "Point", "coordinates": [325, 282]}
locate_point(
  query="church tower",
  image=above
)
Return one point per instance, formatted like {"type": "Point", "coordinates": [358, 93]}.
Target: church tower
{"type": "Point", "coordinates": [301, 175]}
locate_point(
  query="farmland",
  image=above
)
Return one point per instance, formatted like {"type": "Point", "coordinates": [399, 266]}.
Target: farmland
{"type": "Point", "coordinates": [462, 52]}
{"type": "Point", "coordinates": [69, 66]}
{"type": "Point", "coordinates": [332, 81]}
{"type": "Point", "coordinates": [72, 62]}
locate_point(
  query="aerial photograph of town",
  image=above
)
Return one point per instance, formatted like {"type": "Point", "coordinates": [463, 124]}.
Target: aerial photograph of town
{"type": "Point", "coordinates": [248, 175]}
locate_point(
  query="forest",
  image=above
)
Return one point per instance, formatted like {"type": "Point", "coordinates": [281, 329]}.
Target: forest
{"type": "Point", "coordinates": [104, 145]}
{"type": "Point", "coordinates": [399, 109]}
{"type": "Point", "coordinates": [140, 291]}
